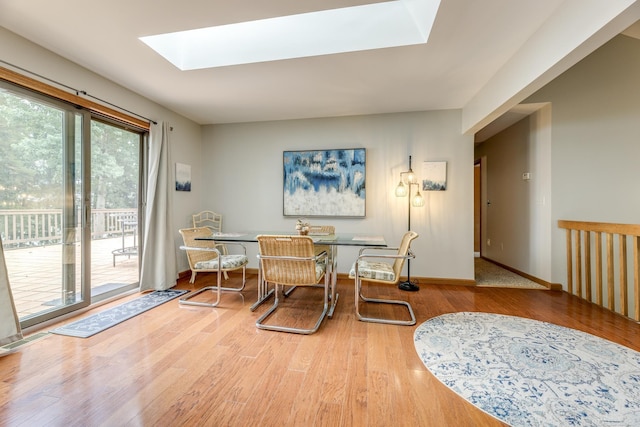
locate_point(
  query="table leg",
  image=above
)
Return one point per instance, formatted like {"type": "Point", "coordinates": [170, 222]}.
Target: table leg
{"type": "Point", "coordinates": [263, 290]}
{"type": "Point", "coordinates": [333, 263]}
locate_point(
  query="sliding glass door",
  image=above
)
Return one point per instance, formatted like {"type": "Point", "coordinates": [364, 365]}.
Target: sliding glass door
{"type": "Point", "coordinates": [115, 183]}
{"type": "Point", "coordinates": [68, 205]}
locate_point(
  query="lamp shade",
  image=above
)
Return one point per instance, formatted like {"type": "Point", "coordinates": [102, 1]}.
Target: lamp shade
{"type": "Point", "coordinates": [401, 190]}
{"type": "Point", "coordinates": [418, 200]}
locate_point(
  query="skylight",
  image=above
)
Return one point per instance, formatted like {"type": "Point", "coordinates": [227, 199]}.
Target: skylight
{"type": "Point", "coordinates": [373, 26]}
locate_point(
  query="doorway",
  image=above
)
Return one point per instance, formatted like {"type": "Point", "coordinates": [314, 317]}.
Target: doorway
{"type": "Point", "coordinates": [477, 214]}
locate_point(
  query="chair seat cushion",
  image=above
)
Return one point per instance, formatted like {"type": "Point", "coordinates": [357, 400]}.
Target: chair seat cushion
{"type": "Point", "coordinates": [321, 267]}
{"type": "Point", "coordinates": [228, 262]}
{"type": "Point", "coordinates": [377, 270]}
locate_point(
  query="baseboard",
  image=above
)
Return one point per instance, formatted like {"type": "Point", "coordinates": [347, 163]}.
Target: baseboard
{"type": "Point", "coordinates": [427, 280]}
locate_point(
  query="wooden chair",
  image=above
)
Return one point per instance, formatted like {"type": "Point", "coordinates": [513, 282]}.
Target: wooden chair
{"type": "Point", "coordinates": [208, 219]}
{"type": "Point", "coordinates": [375, 266]}
{"type": "Point", "coordinates": [291, 261]}
{"type": "Point", "coordinates": [205, 256]}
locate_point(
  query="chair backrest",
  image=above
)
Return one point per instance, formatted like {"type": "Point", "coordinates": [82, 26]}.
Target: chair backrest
{"type": "Point", "coordinates": [403, 250]}
{"type": "Point", "coordinates": [208, 219]}
{"type": "Point", "coordinates": [278, 263]}
{"type": "Point", "coordinates": [322, 229]}
{"type": "Point", "coordinates": [189, 236]}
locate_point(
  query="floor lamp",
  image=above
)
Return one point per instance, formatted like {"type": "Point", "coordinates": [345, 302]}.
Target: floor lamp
{"type": "Point", "coordinates": [407, 180]}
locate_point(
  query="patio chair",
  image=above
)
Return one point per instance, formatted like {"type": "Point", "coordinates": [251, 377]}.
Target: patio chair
{"type": "Point", "coordinates": [204, 256]}
{"type": "Point", "coordinates": [291, 261]}
{"type": "Point", "coordinates": [376, 266]}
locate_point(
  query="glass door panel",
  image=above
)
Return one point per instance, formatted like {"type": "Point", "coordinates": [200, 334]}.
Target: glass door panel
{"type": "Point", "coordinates": [40, 211]}
{"type": "Point", "coordinates": [115, 172]}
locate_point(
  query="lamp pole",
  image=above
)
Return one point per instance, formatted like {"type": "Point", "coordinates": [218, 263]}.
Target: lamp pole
{"type": "Point", "coordinates": [417, 201]}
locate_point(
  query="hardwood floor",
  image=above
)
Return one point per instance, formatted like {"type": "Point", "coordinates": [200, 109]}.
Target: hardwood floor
{"type": "Point", "coordinates": [179, 365]}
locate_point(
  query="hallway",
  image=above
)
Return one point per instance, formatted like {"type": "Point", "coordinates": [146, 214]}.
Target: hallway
{"type": "Point", "coordinates": [489, 274]}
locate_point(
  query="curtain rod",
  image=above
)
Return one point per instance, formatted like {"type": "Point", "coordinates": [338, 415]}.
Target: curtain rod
{"type": "Point", "coordinates": [78, 92]}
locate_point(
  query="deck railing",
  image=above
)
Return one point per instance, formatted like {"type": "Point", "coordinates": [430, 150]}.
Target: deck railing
{"type": "Point", "coordinates": [38, 227]}
{"type": "Point", "coordinates": [597, 281]}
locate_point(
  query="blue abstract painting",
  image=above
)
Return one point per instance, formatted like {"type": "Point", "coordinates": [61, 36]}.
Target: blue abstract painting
{"type": "Point", "coordinates": [324, 183]}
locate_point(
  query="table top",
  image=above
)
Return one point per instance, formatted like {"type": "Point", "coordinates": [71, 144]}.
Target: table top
{"type": "Point", "coordinates": [338, 239]}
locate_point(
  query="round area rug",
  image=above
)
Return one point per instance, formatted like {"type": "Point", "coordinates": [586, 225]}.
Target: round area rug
{"type": "Point", "coordinates": [530, 373]}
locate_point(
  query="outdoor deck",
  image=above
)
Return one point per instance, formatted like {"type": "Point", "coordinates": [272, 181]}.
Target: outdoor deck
{"type": "Point", "coordinates": [35, 273]}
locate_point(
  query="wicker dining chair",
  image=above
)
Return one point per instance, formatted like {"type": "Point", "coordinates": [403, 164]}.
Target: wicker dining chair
{"type": "Point", "coordinates": [213, 221]}
{"type": "Point", "coordinates": [205, 256]}
{"type": "Point", "coordinates": [291, 261]}
{"type": "Point", "coordinates": [321, 230]}
{"type": "Point", "coordinates": [376, 266]}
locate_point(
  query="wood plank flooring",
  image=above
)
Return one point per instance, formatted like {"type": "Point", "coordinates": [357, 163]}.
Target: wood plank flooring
{"type": "Point", "coordinates": [182, 365]}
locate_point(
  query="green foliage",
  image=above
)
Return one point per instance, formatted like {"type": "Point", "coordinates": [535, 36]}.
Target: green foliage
{"type": "Point", "coordinates": [31, 156]}
{"type": "Point", "coordinates": [115, 162]}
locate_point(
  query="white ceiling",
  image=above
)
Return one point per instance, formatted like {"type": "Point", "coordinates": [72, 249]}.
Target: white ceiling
{"type": "Point", "coordinates": [470, 41]}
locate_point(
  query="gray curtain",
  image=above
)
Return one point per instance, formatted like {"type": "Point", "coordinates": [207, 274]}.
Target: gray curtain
{"type": "Point", "coordinates": [159, 269]}
{"type": "Point", "coordinates": [9, 323]}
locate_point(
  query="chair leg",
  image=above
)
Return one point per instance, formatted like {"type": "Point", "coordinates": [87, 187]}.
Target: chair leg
{"type": "Point", "coordinates": [264, 292]}
{"type": "Point", "coordinates": [218, 289]}
{"type": "Point", "coordinates": [261, 325]}
{"type": "Point", "coordinates": [360, 296]}
{"type": "Point", "coordinates": [244, 282]}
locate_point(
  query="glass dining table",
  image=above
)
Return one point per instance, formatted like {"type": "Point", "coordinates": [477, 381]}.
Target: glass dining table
{"type": "Point", "coordinates": [332, 241]}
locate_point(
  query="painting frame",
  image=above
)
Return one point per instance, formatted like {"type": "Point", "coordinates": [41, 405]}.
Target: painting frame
{"type": "Point", "coordinates": [183, 177]}
{"type": "Point", "coordinates": [324, 183]}
{"type": "Point", "coordinates": [434, 176]}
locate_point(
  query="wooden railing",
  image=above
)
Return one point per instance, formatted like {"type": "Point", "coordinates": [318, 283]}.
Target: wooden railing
{"type": "Point", "coordinates": [37, 227]}
{"type": "Point", "coordinates": [607, 243]}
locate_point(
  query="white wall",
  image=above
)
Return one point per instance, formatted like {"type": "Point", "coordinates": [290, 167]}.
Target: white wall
{"type": "Point", "coordinates": [551, 50]}
{"type": "Point", "coordinates": [595, 141]}
{"type": "Point", "coordinates": [186, 135]}
{"type": "Point", "coordinates": [243, 170]}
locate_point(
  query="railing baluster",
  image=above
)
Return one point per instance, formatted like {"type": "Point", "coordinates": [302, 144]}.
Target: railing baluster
{"type": "Point", "coordinates": [579, 264]}
{"type": "Point", "coordinates": [636, 276]}
{"type": "Point", "coordinates": [610, 275]}
{"type": "Point", "coordinates": [599, 268]}
{"type": "Point", "coordinates": [587, 265]}
{"type": "Point", "coordinates": [624, 308]}
{"type": "Point", "coordinates": [569, 262]}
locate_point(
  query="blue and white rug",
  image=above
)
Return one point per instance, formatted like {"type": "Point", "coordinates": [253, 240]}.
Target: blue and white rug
{"type": "Point", "coordinates": [530, 373]}
{"type": "Point", "coordinates": [98, 322]}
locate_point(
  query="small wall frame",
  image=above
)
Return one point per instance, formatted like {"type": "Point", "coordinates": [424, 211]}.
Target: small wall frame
{"type": "Point", "coordinates": [183, 177]}
{"type": "Point", "coordinates": [434, 176]}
